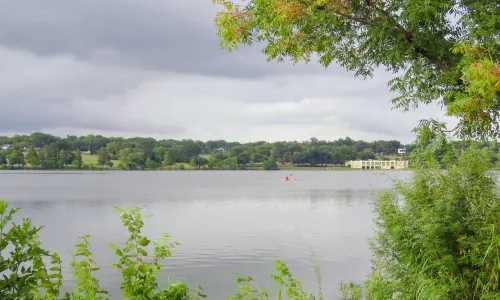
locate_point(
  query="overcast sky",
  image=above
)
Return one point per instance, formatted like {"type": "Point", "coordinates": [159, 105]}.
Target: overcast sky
{"type": "Point", "coordinates": [155, 68]}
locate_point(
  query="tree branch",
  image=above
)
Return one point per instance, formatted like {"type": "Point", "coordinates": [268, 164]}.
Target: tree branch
{"type": "Point", "coordinates": [352, 18]}
{"type": "Point", "coordinates": [398, 29]}
{"type": "Point", "coordinates": [408, 37]}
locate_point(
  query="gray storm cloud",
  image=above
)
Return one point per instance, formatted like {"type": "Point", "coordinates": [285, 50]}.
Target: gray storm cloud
{"type": "Point", "coordinates": [155, 68]}
{"type": "Point", "coordinates": [175, 36]}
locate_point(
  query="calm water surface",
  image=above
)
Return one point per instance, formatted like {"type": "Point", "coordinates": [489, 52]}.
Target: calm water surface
{"type": "Point", "coordinates": [225, 221]}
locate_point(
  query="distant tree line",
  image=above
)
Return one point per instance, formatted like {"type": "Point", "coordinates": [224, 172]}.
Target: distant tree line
{"type": "Point", "coordinates": [45, 151]}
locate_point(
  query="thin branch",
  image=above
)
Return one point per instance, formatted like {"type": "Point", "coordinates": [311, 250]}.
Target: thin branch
{"type": "Point", "coordinates": [352, 18]}
{"type": "Point", "coordinates": [398, 29]}
{"type": "Point", "coordinates": [452, 130]}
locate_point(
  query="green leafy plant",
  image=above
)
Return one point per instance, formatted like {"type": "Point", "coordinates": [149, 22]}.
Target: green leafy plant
{"type": "Point", "coordinates": [351, 291]}
{"type": "Point", "coordinates": [289, 287]}
{"type": "Point", "coordinates": [24, 268]}
{"type": "Point", "coordinates": [26, 275]}
{"type": "Point", "coordinates": [84, 266]}
{"type": "Point", "coordinates": [437, 234]}
{"type": "Point", "coordinates": [140, 275]}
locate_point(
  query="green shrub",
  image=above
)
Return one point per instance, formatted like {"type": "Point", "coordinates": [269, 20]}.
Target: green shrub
{"type": "Point", "coordinates": [139, 274]}
{"type": "Point", "coordinates": [437, 234]}
{"type": "Point", "coordinates": [289, 287]}
{"type": "Point", "coordinates": [26, 274]}
{"type": "Point", "coordinates": [83, 266]}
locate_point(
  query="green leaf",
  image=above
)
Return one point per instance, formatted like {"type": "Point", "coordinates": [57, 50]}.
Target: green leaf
{"type": "Point", "coordinates": [144, 242]}
{"type": "Point", "coordinates": [37, 264]}
{"type": "Point", "coordinates": [142, 251]}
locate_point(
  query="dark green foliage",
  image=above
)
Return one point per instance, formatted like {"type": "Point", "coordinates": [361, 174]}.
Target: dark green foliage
{"type": "Point", "coordinates": [228, 164]}
{"type": "Point", "coordinates": [198, 162]}
{"type": "Point", "coordinates": [168, 159]}
{"type": "Point", "coordinates": [437, 233]}
{"type": "Point", "coordinates": [150, 164]}
{"type": "Point", "coordinates": [50, 152]}
{"type": "Point", "coordinates": [16, 159]}
{"type": "Point", "coordinates": [139, 273]}
{"type": "Point", "coordinates": [78, 162]}
{"type": "Point", "coordinates": [103, 157]}
{"type": "Point", "coordinates": [3, 158]}
{"type": "Point", "coordinates": [24, 269]}
{"type": "Point", "coordinates": [365, 155]}
{"type": "Point", "coordinates": [269, 165]}
{"type": "Point", "coordinates": [49, 157]}
{"type": "Point", "coordinates": [137, 153]}
{"type": "Point", "coordinates": [289, 286]}
{"type": "Point", "coordinates": [159, 154]}
{"type": "Point", "coordinates": [66, 157]}
{"type": "Point", "coordinates": [211, 163]}
{"type": "Point", "coordinates": [32, 157]}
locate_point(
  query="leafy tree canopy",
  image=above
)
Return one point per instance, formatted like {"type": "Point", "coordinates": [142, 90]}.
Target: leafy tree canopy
{"type": "Point", "coordinates": [441, 50]}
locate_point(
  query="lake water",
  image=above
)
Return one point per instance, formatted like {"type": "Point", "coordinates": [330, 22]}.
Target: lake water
{"type": "Point", "coordinates": [225, 221]}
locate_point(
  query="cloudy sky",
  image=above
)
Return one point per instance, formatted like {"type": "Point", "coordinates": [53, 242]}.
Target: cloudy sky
{"type": "Point", "coordinates": [155, 68]}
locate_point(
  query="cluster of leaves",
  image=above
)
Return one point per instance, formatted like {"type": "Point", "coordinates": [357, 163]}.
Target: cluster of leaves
{"type": "Point", "coordinates": [139, 274]}
{"type": "Point", "coordinates": [47, 158]}
{"type": "Point", "coordinates": [26, 274]}
{"type": "Point", "coordinates": [24, 269]}
{"type": "Point", "coordinates": [289, 286]}
{"type": "Point", "coordinates": [440, 50]}
{"type": "Point", "coordinates": [84, 266]}
{"type": "Point", "coordinates": [437, 234]}
{"type": "Point", "coordinates": [478, 104]}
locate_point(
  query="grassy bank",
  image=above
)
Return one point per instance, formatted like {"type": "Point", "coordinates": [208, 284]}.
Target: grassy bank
{"type": "Point", "coordinates": [89, 159]}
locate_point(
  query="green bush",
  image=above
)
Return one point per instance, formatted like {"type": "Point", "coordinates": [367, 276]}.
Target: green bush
{"type": "Point", "coordinates": [269, 165]}
{"type": "Point", "coordinates": [437, 234]}
{"type": "Point", "coordinates": [25, 271]}
{"type": "Point", "coordinates": [289, 287]}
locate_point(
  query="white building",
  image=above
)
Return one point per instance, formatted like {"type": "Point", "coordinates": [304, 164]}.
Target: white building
{"type": "Point", "coordinates": [378, 164]}
{"type": "Point", "coordinates": [221, 150]}
{"type": "Point", "coordinates": [5, 146]}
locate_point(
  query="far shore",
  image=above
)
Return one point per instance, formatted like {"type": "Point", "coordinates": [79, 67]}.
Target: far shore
{"type": "Point", "coordinates": [309, 169]}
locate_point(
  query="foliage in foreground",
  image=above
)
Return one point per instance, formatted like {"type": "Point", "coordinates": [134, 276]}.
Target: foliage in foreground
{"type": "Point", "coordinates": [27, 275]}
{"type": "Point", "coordinates": [437, 235]}
{"type": "Point", "coordinates": [289, 287]}
{"type": "Point", "coordinates": [31, 272]}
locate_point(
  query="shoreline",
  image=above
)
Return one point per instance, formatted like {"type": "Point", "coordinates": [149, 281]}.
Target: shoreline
{"type": "Point", "coordinates": [185, 170]}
